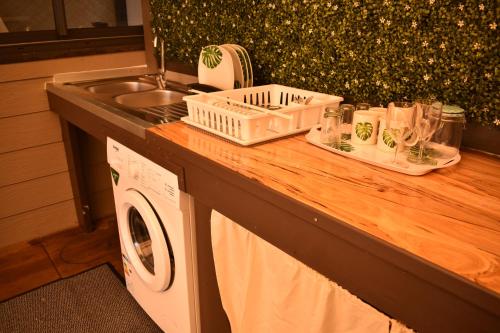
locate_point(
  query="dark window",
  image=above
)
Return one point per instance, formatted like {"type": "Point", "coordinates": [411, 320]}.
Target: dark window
{"type": "Point", "coordinates": [43, 29]}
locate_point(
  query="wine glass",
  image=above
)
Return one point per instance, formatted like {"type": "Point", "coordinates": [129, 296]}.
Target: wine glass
{"type": "Point", "coordinates": [400, 124]}
{"type": "Point", "coordinates": [427, 119]}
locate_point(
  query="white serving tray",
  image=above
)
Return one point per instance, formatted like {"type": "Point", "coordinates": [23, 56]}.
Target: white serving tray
{"type": "Point", "coordinates": [370, 154]}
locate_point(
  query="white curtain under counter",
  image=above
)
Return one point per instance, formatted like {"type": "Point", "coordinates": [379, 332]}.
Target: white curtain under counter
{"type": "Point", "coordinates": [265, 290]}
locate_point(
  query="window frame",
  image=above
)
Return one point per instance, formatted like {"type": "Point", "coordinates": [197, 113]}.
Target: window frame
{"type": "Point", "coordinates": [62, 42]}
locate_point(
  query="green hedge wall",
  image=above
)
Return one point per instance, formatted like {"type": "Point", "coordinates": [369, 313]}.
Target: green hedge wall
{"type": "Point", "coordinates": [376, 50]}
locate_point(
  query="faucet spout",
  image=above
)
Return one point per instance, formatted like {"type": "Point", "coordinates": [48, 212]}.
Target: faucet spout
{"type": "Point", "coordinates": [160, 76]}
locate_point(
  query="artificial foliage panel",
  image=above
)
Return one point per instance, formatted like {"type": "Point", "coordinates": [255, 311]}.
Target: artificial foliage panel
{"type": "Point", "coordinates": [374, 50]}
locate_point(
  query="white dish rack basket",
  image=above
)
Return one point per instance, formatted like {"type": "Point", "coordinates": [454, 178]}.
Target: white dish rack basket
{"type": "Point", "coordinates": [256, 114]}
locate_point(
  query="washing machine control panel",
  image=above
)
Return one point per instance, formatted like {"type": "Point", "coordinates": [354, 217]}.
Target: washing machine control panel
{"type": "Point", "coordinates": [143, 173]}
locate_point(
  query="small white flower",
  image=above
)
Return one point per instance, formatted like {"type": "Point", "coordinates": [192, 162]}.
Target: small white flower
{"type": "Point", "coordinates": [460, 23]}
{"type": "Point", "coordinates": [476, 46]}
{"type": "Point", "coordinates": [351, 53]}
{"type": "Point", "coordinates": [283, 65]}
{"type": "Point", "coordinates": [303, 66]}
{"type": "Point", "coordinates": [493, 26]}
{"type": "Point", "coordinates": [388, 22]}
{"type": "Point", "coordinates": [377, 83]}
{"type": "Point", "coordinates": [407, 7]}
{"type": "Point", "coordinates": [481, 7]}
{"type": "Point", "coordinates": [414, 24]}
{"type": "Point", "coordinates": [382, 20]}
{"type": "Point", "coordinates": [447, 82]}
{"type": "Point", "coordinates": [379, 41]}
{"type": "Point", "coordinates": [315, 7]}
{"type": "Point", "coordinates": [466, 79]}
{"type": "Point", "coordinates": [442, 46]}
{"type": "Point", "coordinates": [335, 7]}
{"type": "Point", "coordinates": [410, 59]}
{"type": "Point", "coordinates": [294, 53]}
{"type": "Point", "coordinates": [405, 79]}
{"type": "Point", "coordinates": [461, 7]}
{"type": "Point", "coordinates": [303, 79]}
{"type": "Point", "coordinates": [404, 42]}
{"type": "Point", "coordinates": [356, 81]}
{"type": "Point", "coordinates": [431, 2]}
{"type": "Point", "coordinates": [425, 43]}
{"type": "Point", "coordinates": [310, 31]}
{"type": "Point", "coordinates": [272, 74]}
{"type": "Point", "coordinates": [266, 25]}
{"type": "Point", "coordinates": [488, 75]}
{"type": "Point", "coordinates": [322, 73]}
{"type": "Point", "coordinates": [355, 4]}
{"type": "Point", "coordinates": [427, 77]}
{"type": "Point", "coordinates": [329, 4]}
{"type": "Point", "coordinates": [387, 2]}
{"type": "Point", "coordinates": [386, 86]}
{"type": "Point", "coordinates": [332, 33]}
{"type": "Point", "coordinates": [347, 85]}
{"type": "Point", "coordinates": [359, 33]}
{"type": "Point", "coordinates": [430, 61]}
{"type": "Point", "coordinates": [497, 122]}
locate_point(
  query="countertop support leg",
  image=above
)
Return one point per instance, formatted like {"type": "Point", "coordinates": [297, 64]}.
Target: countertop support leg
{"type": "Point", "coordinates": [212, 316]}
{"type": "Point", "coordinates": [73, 155]}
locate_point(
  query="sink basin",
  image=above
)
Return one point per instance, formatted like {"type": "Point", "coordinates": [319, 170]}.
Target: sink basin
{"type": "Point", "coordinates": [118, 88]}
{"type": "Point", "coordinates": [149, 98]}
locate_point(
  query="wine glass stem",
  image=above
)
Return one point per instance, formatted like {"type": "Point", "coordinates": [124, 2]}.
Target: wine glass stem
{"type": "Point", "coordinates": [395, 153]}
{"type": "Point", "coordinates": [421, 146]}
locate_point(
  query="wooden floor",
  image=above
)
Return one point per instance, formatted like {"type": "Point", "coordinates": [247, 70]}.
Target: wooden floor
{"type": "Point", "coordinates": [28, 265]}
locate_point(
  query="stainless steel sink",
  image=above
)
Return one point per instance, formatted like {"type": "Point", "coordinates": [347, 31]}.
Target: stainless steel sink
{"type": "Point", "coordinates": [118, 88]}
{"type": "Point", "coordinates": [150, 98]}
{"type": "Point", "coordinates": [136, 98]}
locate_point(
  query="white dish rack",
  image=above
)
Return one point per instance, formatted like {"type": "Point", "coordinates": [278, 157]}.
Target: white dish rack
{"type": "Point", "coordinates": [256, 114]}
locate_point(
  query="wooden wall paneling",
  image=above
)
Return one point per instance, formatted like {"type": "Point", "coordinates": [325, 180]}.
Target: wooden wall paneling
{"type": "Point", "coordinates": [30, 163]}
{"type": "Point", "coordinates": [22, 97]}
{"type": "Point", "coordinates": [45, 68]}
{"type": "Point", "coordinates": [29, 130]}
{"type": "Point", "coordinates": [38, 222]}
{"type": "Point", "coordinates": [33, 194]}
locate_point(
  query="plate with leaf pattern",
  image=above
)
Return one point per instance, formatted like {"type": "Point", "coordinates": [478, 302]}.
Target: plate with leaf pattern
{"type": "Point", "coordinates": [215, 67]}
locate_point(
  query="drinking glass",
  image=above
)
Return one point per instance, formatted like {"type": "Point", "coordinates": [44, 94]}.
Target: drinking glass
{"type": "Point", "coordinates": [427, 119]}
{"type": "Point", "coordinates": [400, 124]}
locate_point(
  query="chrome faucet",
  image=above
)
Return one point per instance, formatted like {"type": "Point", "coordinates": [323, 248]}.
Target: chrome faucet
{"type": "Point", "coordinates": [161, 81]}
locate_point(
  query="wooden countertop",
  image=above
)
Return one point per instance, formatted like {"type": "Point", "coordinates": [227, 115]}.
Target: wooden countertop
{"type": "Point", "coordinates": [449, 217]}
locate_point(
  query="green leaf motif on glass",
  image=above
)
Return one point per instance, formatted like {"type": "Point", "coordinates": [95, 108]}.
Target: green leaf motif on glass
{"type": "Point", "coordinates": [388, 140]}
{"type": "Point", "coordinates": [364, 130]}
{"type": "Point", "coordinates": [211, 56]}
{"type": "Point", "coordinates": [343, 146]}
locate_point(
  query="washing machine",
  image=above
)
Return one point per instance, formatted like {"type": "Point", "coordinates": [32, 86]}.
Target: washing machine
{"type": "Point", "coordinates": [156, 227]}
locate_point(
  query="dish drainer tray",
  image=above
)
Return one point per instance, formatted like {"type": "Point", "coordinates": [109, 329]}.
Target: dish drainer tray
{"type": "Point", "coordinates": [252, 115]}
{"type": "Point", "coordinates": [372, 155]}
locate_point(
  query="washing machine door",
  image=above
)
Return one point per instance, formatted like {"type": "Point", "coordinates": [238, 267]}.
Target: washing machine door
{"type": "Point", "coordinates": [145, 241]}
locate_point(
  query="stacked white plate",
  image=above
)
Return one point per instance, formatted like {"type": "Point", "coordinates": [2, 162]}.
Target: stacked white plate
{"type": "Point", "coordinates": [225, 67]}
